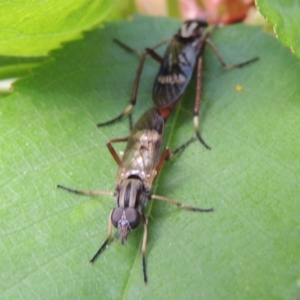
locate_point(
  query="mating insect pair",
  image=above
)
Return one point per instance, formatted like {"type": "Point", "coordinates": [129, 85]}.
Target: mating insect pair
{"type": "Point", "coordinates": [143, 157]}
{"type": "Point", "coordinates": [183, 56]}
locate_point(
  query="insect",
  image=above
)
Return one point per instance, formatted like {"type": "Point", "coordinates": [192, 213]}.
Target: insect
{"type": "Point", "coordinates": [142, 160]}
{"type": "Point", "coordinates": [183, 56]}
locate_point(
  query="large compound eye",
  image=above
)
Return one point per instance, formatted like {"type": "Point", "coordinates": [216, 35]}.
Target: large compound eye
{"type": "Point", "coordinates": [133, 217]}
{"type": "Point", "coordinates": [116, 216]}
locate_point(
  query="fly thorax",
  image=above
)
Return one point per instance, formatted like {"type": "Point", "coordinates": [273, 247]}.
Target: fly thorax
{"type": "Point", "coordinates": [132, 193]}
{"type": "Point", "coordinates": [191, 29]}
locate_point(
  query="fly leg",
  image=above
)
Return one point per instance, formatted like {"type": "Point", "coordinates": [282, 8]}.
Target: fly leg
{"type": "Point", "coordinates": [96, 192]}
{"type": "Point", "coordinates": [167, 154]}
{"type": "Point", "coordinates": [109, 233]}
{"type": "Point", "coordinates": [143, 55]}
{"type": "Point", "coordinates": [86, 193]}
{"type": "Point", "coordinates": [223, 63]}
{"type": "Point", "coordinates": [144, 245]}
{"type": "Point", "coordinates": [197, 104]}
{"type": "Point", "coordinates": [112, 149]}
{"type": "Point", "coordinates": [181, 205]}
{"type": "Point", "coordinates": [182, 147]}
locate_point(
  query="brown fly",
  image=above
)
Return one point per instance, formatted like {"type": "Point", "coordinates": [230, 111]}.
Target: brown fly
{"type": "Point", "coordinates": [183, 56]}
{"type": "Point", "coordinates": [142, 160]}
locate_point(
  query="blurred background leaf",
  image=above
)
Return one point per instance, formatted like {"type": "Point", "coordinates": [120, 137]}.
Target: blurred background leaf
{"type": "Point", "coordinates": [33, 28]}
{"type": "Point", "coordinates": [285, 18]}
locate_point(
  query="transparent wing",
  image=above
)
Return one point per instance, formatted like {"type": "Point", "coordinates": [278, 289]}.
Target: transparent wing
{"type": "Point", "coordinates": [143, 148]}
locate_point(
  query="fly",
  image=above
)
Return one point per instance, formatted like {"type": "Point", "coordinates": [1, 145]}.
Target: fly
{"type": "Point", "coordinates": [183, 56]}
{"type": "Point", "coordinates": [142, 160]}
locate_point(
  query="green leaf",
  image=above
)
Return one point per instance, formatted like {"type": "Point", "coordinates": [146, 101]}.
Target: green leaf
{"type": "Point", "coordinates": [42, 26]}
{"type": "Point", "coordinates": [284, 16]}
{"type": "Point", "coordinates": [247, 249]}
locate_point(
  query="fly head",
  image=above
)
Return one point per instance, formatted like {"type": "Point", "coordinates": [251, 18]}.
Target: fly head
{"type": "Point", "coordinates": [125, 219]}
{"type": "Point", "coordinates": [192, 29]}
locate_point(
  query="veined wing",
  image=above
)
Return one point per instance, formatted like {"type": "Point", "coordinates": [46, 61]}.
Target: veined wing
{"type": "Point", "coordinates": [143, 148]}
{"type": "Point", "coordinates": [179, 63]}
